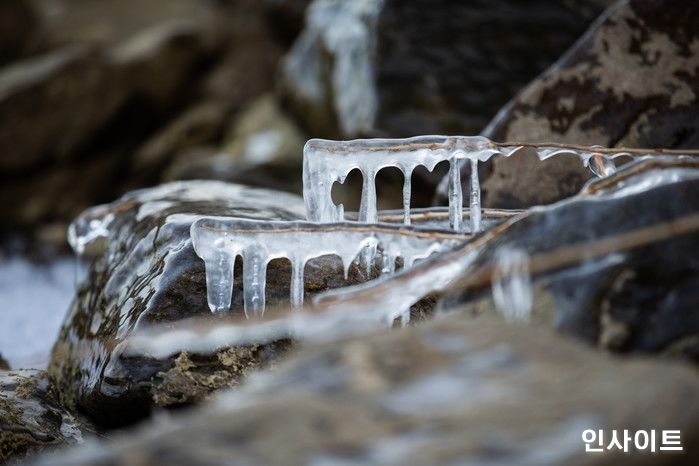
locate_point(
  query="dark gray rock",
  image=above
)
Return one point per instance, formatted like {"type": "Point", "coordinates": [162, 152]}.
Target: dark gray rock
{"type": "Point", "coordinates": [4, 365]}
{"type": "Point", "coordinates": [630, 81]}
{"type": "Point", "coordinates": [31, 419]}
{"type": "Point", "coordinates": [447, 392]}
{"type": "Point", "coordinates": [404, 68]}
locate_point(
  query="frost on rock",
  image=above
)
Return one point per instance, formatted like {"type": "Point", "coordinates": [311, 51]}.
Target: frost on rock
{"type": "Point", "coordinates": [218, 241]}
{"type": "Point", "coordinates": [326, 162]}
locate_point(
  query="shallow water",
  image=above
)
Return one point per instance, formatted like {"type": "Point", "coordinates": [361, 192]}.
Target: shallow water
{"type": "Point", "coordinates": [34, 298]}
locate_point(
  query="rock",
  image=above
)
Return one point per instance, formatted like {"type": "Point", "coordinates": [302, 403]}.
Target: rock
{"type": "Point", "coordinates": [121, 93]}
{"type": "Point", "coordinates": [113, 21]}
{"type": "Point", "coordinates": [447, 392]}
{"type": "Point", "coordinates": [4, 365]}
{"type": "Point", "coordinates": [31, 419]}
{"type": "Point", "coordinates": [262, 148]}
{"type": "Point", "coordinates": [629, 82]}
{"type": "Point", "coordinates": [286, 18]}
{"type": "Point", "coordinates": [18, 22]}
{"type": "Point", "coordinates": [61, 81]}
{"type": "Point", "coordinates": [393, 68]}
{"type": "Point", "coordinates": [198, 126]}
{"type": "Point", "coordinates": [616, 267]}
{"type": "Point", "coordinates": [145, 272]}
{"type": "Point", "coordinates": [249, 66]}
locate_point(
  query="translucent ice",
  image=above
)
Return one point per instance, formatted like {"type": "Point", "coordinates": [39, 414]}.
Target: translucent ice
{"type": "Point", "coordinates": [326, 162]}
{"type": "Point", "coordinates": [342, 29]}
{"type": "Point", "coordinates": [218, 241]}
{"type": "Point", "coordinates": [511, 283]}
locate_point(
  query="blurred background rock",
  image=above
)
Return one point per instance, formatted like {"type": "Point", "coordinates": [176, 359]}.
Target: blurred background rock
{"type": "Point", "coordinates": [101, 96]}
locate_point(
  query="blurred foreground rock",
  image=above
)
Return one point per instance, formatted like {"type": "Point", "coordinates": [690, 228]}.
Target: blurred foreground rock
{"type": "Point", "coordinates": [448, 392]}
{"type": "Point", "coordinates": [631, 81]}
{"type": "Point", "coordinates": [399, 68]}
{"type": "Point", "coordinates": [31, 419]}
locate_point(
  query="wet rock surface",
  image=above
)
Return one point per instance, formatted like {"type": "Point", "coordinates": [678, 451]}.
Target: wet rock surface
{"type": "Point", "coordinates": [449, 392]}
{"type": "Point", "coordinates": [633, 297]}
{"type": "Point", "coordinates": [147, 273]}
{"type": "Point", "coordinates": [404, 68]}
{"type": "Point", "coordinates": [31, 420]}
{"type": "Point", "coordinates": [630, 81]}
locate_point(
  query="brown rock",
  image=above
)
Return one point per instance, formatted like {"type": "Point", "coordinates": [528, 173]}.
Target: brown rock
{"type": "Point", "coordinates": [447, 392]}
{"type": "Point", "coordinates": [31, 419]}
{"type": "Point", "coordinates": [631, 81]}
{"type": "Point", "coordinates": [69, 118]}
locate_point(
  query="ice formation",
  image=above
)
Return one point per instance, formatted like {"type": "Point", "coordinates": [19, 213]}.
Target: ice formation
{"type": "Point", "coordinates": [511, 284]}
{"type": "Point", "coordinates": [344, 30]}
{"type": "Point", "coordinates": [438, 217]}
{"type": "Point", "coordinates": [218, 241]}
{"type": "Point", "coordinates": [326, 162]}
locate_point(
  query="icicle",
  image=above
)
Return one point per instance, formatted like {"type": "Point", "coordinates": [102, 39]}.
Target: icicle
{"type": "Point", "coordinates": [367, 207]}
{"type": "Point", "coordinates": [455, 196]}
{"type": "Point", "coordinates": [254, 280]}
{"type": "Point", "coordinates": [219, 282]}
{"type": "Point", "coordinates": [405, 318]}
{"type": "Point", "coordinates": [511, 284]}
{"type": "Point", "coordinates": [297, 284]}
{"type": "Point", "coordinates": [475, 198]}
{"type": "Point", "coordinates": [220, 240]}
{"type": "Point", "coordinates": [601, 165]}
{"type": "Point", "coordinates": [324, 161]}
{"type": "Point", "coordinates": [406, 195]}
{"type": "Point", "coordinates": [388, 263]}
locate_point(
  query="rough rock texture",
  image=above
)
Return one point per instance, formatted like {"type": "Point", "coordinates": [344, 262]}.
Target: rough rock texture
{"type": "Point", "coordinates": [617, 268]}
{"type": "Point", "coordinates": [447, 392]}
{"type": "Point", "coordinates": [145, 272]}
{"type": "Point", "coordinates": [631, 81]}
{"type": "Point", "coordinates": [30, 417]}
{"type": "Point", "coordinates": [404, 68]}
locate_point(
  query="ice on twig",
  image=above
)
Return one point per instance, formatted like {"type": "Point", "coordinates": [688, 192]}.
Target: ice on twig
{"type": "Point", "coordinates": [326, 162]}
{"type": "Point", "coordinates": [218, 241]}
